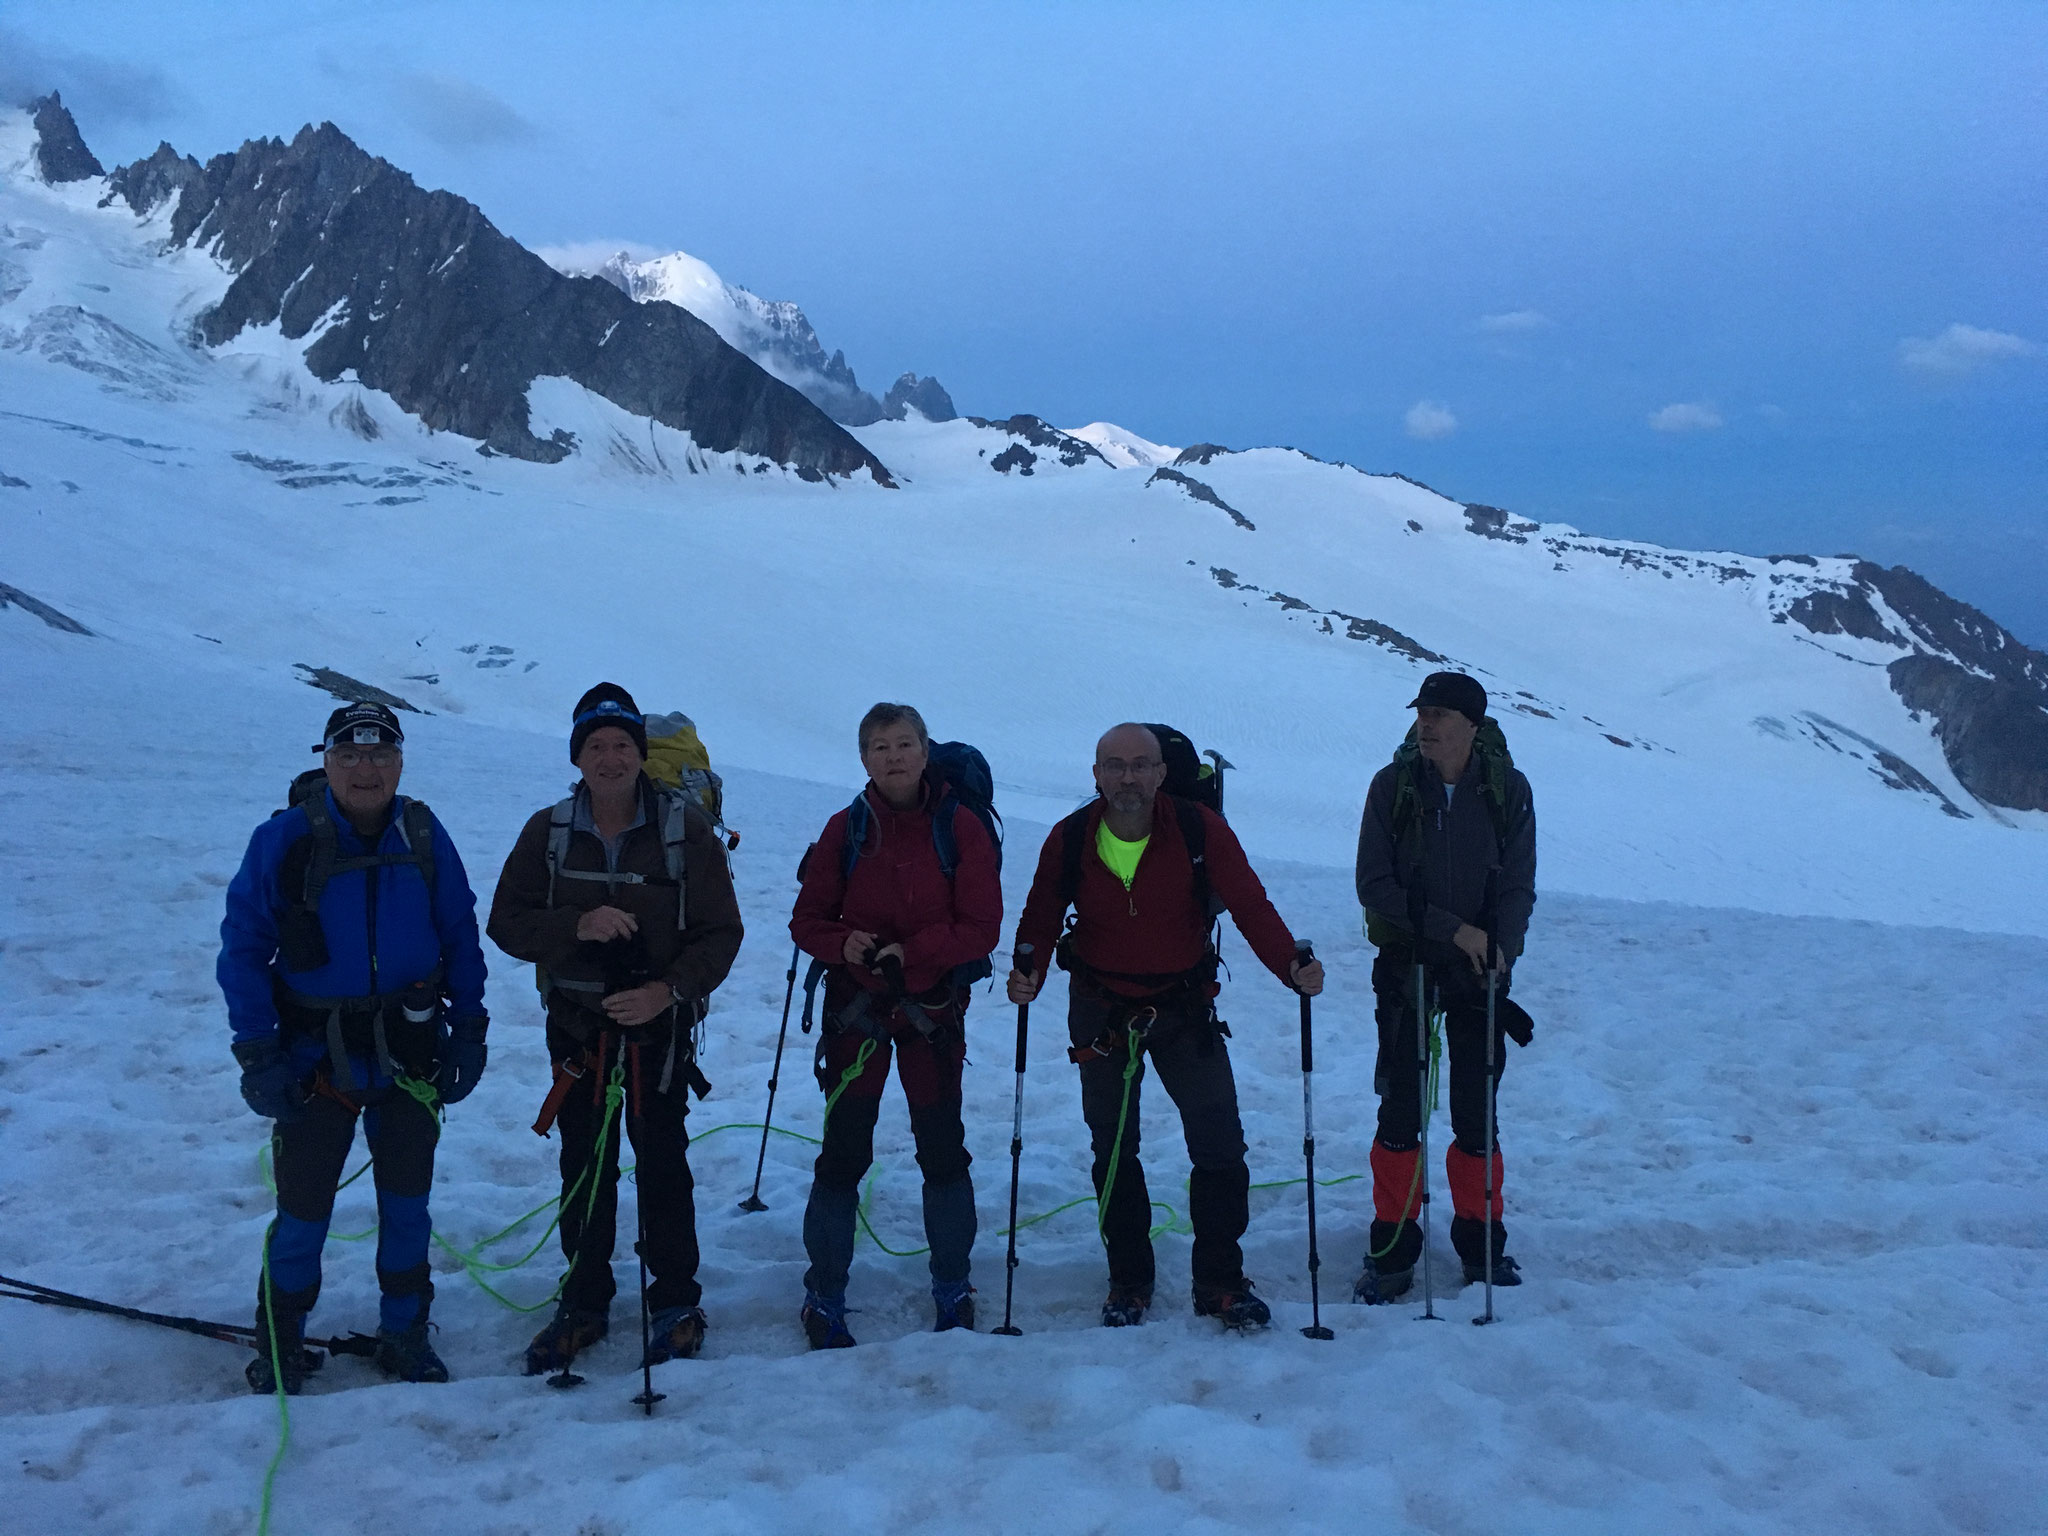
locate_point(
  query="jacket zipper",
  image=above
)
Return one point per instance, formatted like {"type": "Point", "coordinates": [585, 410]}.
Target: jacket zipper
{"type": "Point", "coordinates": [370, 916]}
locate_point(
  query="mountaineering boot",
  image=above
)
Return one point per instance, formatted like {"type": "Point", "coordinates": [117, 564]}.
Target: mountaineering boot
{"type": "Point", "coordinates": [675, 1333]}
{"type": "Point", "coordinates": [1469, 1236]}
{"type": "Point", "coordinates": [1234, 1306]}
{"type": "Point", "coordinates": [1377, 1286]}
{"type": "Point", "coordinates": [406, 1354]}
{"type": "Point", "coordinates": [1505, 1272]}
{"type": "Point", "coordinates": [297, 1361]}
{"type": "Point", "coordinates": [571, 1331]}
{"type": "Point", "coordinates": [824, 1320]}
{"type": "Point", "coordinates": [1126, 1306]}
{"type": "Point", "coordinates": [954, 1305]}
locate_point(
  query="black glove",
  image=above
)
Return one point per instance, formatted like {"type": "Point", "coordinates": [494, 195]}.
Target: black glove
{"type": "Point", "coordinates": [462, 1058]}
{"type": "Point", "coordinates": [1514, 1021]}
{"type": "Point", "coordinates": [270, 1083]}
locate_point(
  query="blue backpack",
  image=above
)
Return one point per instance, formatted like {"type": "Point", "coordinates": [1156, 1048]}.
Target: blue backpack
{"type": "Point", "coordinates": [963, 780]}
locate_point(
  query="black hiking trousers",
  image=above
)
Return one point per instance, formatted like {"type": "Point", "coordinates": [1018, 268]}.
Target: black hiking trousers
{"type": "Point", "coordinates": [1193, 1064]}
{"type": "Point", "coordinates": [654, 1122]}
{"type": "Point", "coordinates": [1397, 1074]}
{"type": "Point", "coordinates": [1398, 1078]}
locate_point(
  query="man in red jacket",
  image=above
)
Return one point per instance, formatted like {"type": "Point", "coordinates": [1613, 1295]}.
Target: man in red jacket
{"type": "Point", "coordinates": [1140, 869]}
{"type": "Point", "coordinates": [901, 901]}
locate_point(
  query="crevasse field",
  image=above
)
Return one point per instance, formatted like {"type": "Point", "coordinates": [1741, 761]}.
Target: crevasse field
{"type": "Point", "coordinates": [1775, 1161]}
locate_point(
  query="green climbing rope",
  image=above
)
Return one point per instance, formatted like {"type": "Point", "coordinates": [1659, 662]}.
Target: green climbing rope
{"type": "Point", "coordinates": [1408, 1206]}
{"type": "Point", "coordinates": [1136, 1043]}
{"type": "Point", "coordinates": [284, 1412]}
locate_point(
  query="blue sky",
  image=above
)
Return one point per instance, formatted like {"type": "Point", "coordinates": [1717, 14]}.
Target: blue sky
{"type": "Point", "coordinates": [1760, 277]}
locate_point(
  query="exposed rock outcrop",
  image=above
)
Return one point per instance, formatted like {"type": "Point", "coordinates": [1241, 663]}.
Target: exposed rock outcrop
{"type": "Point", "coordinates": [1201, 492]}
{"type": "Point", "coordinates": [61, 154]}
{"type": "Point", "coordinates": [1987, 692]}
{"type": "Point", "coordinates": [1070, 450]}
{"type": "Point", "coordinates": [925, 396]}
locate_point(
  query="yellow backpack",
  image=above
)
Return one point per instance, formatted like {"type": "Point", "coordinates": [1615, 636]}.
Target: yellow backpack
{"type": "Point", "coordinates": [676, 757]}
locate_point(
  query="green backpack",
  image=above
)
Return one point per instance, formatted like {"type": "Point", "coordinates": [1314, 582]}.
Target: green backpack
{"type": "Point", "coordinates": [1490, 749]}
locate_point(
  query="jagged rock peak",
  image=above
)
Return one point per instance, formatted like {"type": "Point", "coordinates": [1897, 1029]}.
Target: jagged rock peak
{"type": "Point", "coordinates": [61, 154]}
{"type": "Point", "coordinates": [927, 397]}
{"type": "Point", "coordinates": [416, 293]}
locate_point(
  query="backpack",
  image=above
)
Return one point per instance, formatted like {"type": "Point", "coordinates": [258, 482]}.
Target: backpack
{"type": "Point", "coordinates": [1187, 776]}
{"type": "Point", "coordinates": [677, 759]}
{"type": "Point", "coordinates": [302, 945]}
{"type": "Point", "coordinates": [964, 781]}
{"type": "Point", "coordinates": [1490, 750]}
{"type": "Point", "coordinates": [1190, 784]}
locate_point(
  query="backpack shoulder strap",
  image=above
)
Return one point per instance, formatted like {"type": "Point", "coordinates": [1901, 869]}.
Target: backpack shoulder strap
{"type": "Point", "coordinates": [944, 843]}
{"type": "Point", "coordinates": [858, 819]}
{"type": "Point", "coordinates": [1073, 851]}
{"type": "Point", "coordinates": [1407, 798]}
{"type": "Point", "coordinates": [320, 867]}
{"type": "Point", "coordinates": [560, 820]}
{"type": "Point", "coordinates": [1194, 833]}
{"type": "Point", "coordinates": [417, 825]}
{"type": "Point", "coordinates": [673, 806]}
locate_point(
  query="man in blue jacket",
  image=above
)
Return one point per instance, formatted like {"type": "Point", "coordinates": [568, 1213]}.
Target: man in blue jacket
{"type": "Point", "coordinates": [348, 925]}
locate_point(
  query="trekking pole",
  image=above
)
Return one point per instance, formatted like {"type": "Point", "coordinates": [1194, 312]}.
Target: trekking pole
{"type": "Point", "coordinates": [1304, 953]}
{"type": "Point", "coordinates": [12, 1289]}
{"type": "Point", "coordinates": [754, 1202]}
{"type": "Point", "coordinates": [1492, 993]}
{"type": "Point", "coordinates": [1422, 1145]}
{"type": "Point", "coordinates": [1022, 963]}
{"type": "Point", "coordinates": [648, 1396]}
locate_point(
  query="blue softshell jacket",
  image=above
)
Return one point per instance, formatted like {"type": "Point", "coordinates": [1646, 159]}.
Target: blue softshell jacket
{"type": "Point", "coordinates": [414, 933]}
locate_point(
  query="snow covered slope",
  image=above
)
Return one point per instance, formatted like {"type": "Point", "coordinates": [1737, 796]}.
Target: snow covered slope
{"type": "Point", "coordinates": [1775, 1160]}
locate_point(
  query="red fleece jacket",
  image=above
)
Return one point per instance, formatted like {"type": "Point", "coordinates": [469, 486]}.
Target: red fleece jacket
{"type": "Point", "coordinates": [1155, 927]}
{"type": "Point", "coordinates": [899, 893]}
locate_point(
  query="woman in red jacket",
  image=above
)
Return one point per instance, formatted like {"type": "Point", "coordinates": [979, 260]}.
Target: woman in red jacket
{"type": "Point", "coordinates": [893, 926]}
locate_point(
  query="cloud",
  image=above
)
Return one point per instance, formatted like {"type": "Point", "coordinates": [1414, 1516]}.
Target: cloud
{"type": "Point", "coordinates": [1516, 320]}
{"type": "Point", "coordinates": [457, 114]}
{"type": "Point", "coordinates": [1963, 349]}
{"type": "Point", "coordinates": [100, 89]}
{"type": "Point", "coordinates": [1685, 417]}
{"type": "Point", "coordinates": [578, 257]}
{"type": "Point", "coordinates": [1428, 422]}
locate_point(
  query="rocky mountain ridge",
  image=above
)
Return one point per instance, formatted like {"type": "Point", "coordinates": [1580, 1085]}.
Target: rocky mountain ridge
{"type": "Point", "coordinates": [417, 294]}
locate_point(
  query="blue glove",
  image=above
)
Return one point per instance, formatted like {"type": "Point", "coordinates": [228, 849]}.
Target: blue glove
{"type": "Point", "coordinates": [463, 1055]}
{"type": "Point", "coordinates": [270, 1083]}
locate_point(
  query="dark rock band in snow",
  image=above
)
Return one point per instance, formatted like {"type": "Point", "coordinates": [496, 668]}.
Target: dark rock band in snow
{"type": "Point", "coordinates": [354, 977]}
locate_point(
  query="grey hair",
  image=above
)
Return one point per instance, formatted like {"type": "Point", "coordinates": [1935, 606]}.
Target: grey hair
{"type": "Point", "coordinates": [882, 716]}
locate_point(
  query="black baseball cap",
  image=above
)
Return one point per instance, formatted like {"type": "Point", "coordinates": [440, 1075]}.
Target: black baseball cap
{"type": "Point", "coordinates": [361, 725]}
{"type": "Point", "coordinates": [1453, 690]}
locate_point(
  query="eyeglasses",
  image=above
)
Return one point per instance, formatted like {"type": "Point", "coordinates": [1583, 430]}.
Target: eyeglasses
{"type": "Point", "coordinates": [1136, 768]}
{"type": "Point", "coordinates": [355, 757]}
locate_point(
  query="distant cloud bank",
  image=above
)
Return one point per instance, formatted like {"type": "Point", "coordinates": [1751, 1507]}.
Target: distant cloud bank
{"type": "Point", "coordinates": [457, 113]}
{"type": "Point", "coordinates": [1428, 422]}
{"type": "Point", "coordinates": [1516, 320]}
{"type": "Point", "coordinates": [1686, 416]}
{"type": "Point", "coordinates": [581, 256]}
{"type": "Point", "coordinates": [1963, 349]}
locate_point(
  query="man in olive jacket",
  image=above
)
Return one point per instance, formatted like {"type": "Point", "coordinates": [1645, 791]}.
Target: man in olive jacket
{"type": "Point", "coordinates": [1447, 876]}
{"type": "Point", "coordinates": [622, 897]}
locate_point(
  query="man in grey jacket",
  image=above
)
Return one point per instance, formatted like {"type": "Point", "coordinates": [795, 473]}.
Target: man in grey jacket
{"type": "Point", "coordinates": [1447, 877]}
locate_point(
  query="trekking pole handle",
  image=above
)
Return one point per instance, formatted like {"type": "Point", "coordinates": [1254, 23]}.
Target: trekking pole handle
{"type": "Point", "coordinates": [1304, 953]}
{"type": "Point", "coordinates": [1021, 962]}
